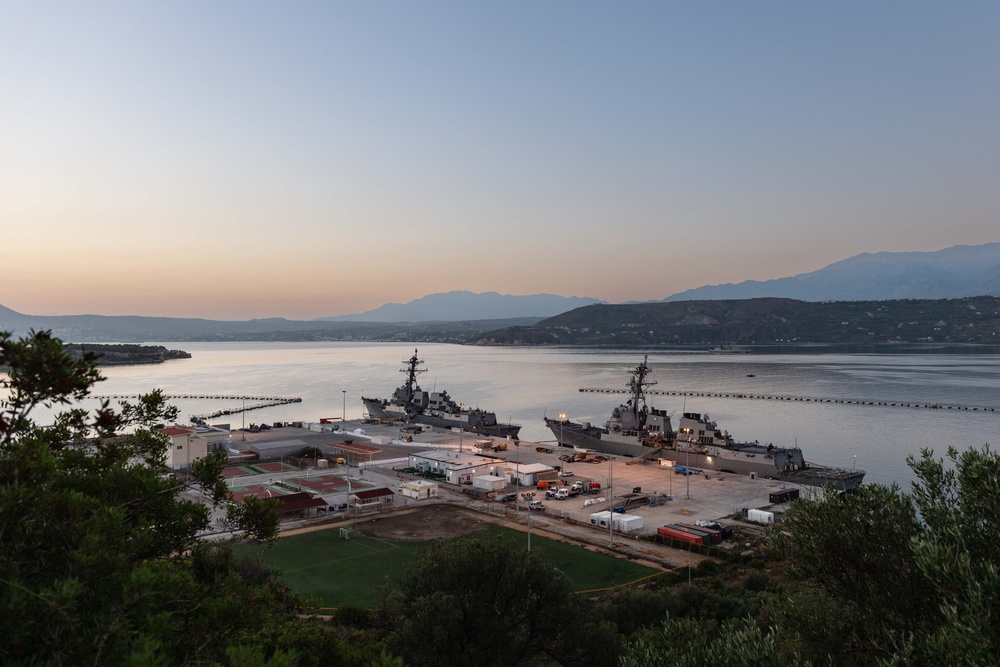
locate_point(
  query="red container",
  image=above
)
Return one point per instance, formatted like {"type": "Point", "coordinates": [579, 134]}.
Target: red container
{"type": "Point", "coordinates": [716, 535]}
{"type": "Point", "coordinates": [675, 534]}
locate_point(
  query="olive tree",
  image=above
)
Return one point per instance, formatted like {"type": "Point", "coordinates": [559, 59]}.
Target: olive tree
{"type": "Point", "coordinates": [100, 561]}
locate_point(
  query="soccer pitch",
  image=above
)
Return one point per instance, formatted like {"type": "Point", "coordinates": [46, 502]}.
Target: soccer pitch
{"type": "Point", "coordinates": [341, 572]}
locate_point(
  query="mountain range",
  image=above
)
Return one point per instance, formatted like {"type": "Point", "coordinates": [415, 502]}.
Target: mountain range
{"type": "Point", "coordinates": [951, 273]}
{"type": "Point", "coordinates": [464, 305]}
{"type": "Point", "coordinates": [461, 316]}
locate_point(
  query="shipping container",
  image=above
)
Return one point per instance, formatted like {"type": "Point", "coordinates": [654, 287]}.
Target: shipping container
{"type": "Point", "coordinates": [726, 531]}
{"type": "Point", "coordinates": [716, 535]}
{"type": "Point", "coordinates": [673, 534]}
{"type": "Point", "coordinates": [697, 532]}
{"type": "Point", "coordinates": [783, 496]}
{"type": "Point", "coordinates": [760, 516]}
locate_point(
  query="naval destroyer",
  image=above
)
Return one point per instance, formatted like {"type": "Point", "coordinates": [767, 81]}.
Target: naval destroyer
{"type": "Point", "coordinates": [638, 430]}
{"type": "Point", "coordinates": [410, 403]}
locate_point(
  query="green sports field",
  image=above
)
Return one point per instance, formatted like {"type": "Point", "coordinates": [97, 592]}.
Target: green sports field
{"type": "Point", "coordinates": [344, 572]}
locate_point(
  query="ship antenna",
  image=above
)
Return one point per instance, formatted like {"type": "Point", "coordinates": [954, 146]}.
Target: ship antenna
{"type": "Point", "coordinates": [638, 385]}
{"type": "Point", "coordinates": [411, 371]}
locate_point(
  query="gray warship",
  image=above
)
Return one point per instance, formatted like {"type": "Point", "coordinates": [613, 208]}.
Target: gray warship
{"type": "Point", "coordinates": [410, 403]}
{"type": "Point", "coordinates": [638, 430]}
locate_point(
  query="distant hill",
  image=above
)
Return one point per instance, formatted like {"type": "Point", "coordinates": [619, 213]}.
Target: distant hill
{"type": "Point", "coordinates": [463, 305]}
{"type": "Point", "coordinates": [117, 355]}
{"type": "Point", "coordinates": [766, 321]}
{"type": "Point", "coordinates": [133, 329]}
{"type": "Point", "coordinates": [951, 273]}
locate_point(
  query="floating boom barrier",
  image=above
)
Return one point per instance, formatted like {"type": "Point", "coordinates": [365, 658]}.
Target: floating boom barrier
{"type": "Point", "coordinates": [802, 399]}
{"type": "Point", "coordinates": [248, 403]}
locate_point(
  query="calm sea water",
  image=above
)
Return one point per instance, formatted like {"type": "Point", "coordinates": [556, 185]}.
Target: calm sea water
{"type": "Point", "coordinates": [523, 384]}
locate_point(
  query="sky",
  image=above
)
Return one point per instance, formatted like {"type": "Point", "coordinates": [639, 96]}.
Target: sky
{"type": "Point", "coordinates": [240, 159]}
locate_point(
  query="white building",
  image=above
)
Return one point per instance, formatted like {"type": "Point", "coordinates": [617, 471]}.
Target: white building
{"type": "Point", "coordinates": [418, 489]}
{"type": "Point", "coordinates": [529, 474]}
{"type": "Point", "coordinates": [489, 482]}
{"type": "Point", "coordinates": [190, 443]}
{"type": "Point", "coordinates": [457, 467]}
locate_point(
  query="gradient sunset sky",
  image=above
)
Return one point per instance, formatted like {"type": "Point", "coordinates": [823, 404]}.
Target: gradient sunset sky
{"type": "Point", "coordinates": [233, 160]}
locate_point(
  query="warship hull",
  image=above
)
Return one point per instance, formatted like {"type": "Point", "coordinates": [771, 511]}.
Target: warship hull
{"type": "Point", "coordinates": [378, 410]}
{"type": "Point", "coordinates": [740, 459]}
{"type": "Point", "coordinates": [590, 438]}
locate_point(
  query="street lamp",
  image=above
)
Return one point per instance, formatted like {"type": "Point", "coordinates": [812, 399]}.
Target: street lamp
{"type": "Point", "coordinates": [611, 501]}
{"type": "Point", "coordinates": [348, 480]}
{"type": "Point", "coordinates": [527, 497]}
{"type": "Point", "coordinates": [562, 419]}
{"type": "Point", "coordinates": [343, 417]}
{"type": "Point", "coordinates": [687, 472]}
{"type": "Point", "coordinates": [517, 481]}
{"type": "Point", "coordinates": [243, 413]}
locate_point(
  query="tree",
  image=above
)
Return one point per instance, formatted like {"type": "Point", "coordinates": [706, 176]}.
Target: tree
{"type": "Point", "coordinates": [100, 561]}
{"type": "Point", "coordinates": [478, 600]}
{"type": "Point", "coordinates": [688, 642]}
{"type": "Point", "coordinates": [900, 579]}
{"type": "Point", "coordinates": [957, 554]}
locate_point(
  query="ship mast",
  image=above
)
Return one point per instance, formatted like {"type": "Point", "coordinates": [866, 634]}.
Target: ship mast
{"type": "Point", "coordinates": [637, 386]}
{"type": "Point", "coordinates": [411, 371]}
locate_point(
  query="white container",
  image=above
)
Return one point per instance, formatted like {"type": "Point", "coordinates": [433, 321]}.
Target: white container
{"type": "Point", "coordinates": [760, 516]}
{"type": "Point", "coordinates": [627, 523]}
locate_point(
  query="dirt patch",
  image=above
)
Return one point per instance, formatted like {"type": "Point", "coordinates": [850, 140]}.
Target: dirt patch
{"type": "Point", "coordinates": [425, 523]}
{"type": "Point", "coordinates": [436, 521]}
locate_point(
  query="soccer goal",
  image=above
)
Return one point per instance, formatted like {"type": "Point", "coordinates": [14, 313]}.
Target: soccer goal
{"type": "Point", "coordinates": [345, 533]}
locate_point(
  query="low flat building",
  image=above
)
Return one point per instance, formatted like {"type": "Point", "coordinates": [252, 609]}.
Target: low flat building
{"type": "Point", "coordinates": [490, 482]}
{"type": "Point", "coordinates": [372, 499]}
{"type": "Point", "coordinates": [457, 467]}
{"type": "Point", "coordinates": [301, 503]}
{"type": "Point", "coordinates": [529, 474]}
{"type": "Point", "coordinates": [418, 489]}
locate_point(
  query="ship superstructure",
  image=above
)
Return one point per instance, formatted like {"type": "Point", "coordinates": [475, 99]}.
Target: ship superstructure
{"type": "Point", "coordinates": [637, 430]}
{"type": "Point", "coordinates": [410, 403]}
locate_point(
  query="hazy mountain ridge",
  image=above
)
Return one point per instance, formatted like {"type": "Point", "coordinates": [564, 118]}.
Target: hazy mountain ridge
{"type": "Point", "coordinates": [137, 329]}
{"type": "Point", "coordinates": [460, 316]}
{"type": "Point", "coordinates": [955, 272]}
{"type": "Point", "coordinates": [462, 305]}
{"type": "Point", "coordinates": [767, 321]}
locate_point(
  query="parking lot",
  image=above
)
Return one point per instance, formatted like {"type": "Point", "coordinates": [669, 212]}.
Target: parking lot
{"type": "Point", "coordinates": [712, 496]}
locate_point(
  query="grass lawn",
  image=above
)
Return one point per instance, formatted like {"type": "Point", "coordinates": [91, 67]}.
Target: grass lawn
{"type": "Point", "coordinates": [347, 572]}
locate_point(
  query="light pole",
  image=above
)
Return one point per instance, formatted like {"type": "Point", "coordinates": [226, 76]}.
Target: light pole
{"type": "Point", "coordinates": [562, 419]}
{"type": "Point", "coordinates": [527, 497]}
{"type": "Point", "coordinates": [611, 501]}
{"type": "Point", "coordinates": [243, 413]}
{"type": "Point", "coordinates": [517, 481]}
{"type": "Point", "coordinates": [348, 480]}
{"type": "Point", "coordinates": [687, 472]}
{"type": "Point", "coordinates": [343, 417]}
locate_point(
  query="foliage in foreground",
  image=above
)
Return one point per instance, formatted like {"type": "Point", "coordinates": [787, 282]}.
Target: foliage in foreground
{"type": "Point", "coordinates": [900, 579]}
{"type": "Point", "coordinates": [99, 557]}
{"type": "Point", "coordinates": [479, 600]}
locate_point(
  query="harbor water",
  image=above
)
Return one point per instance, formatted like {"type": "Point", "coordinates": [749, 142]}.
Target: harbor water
{"type": "Point", "coordinates": [525, 384]}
